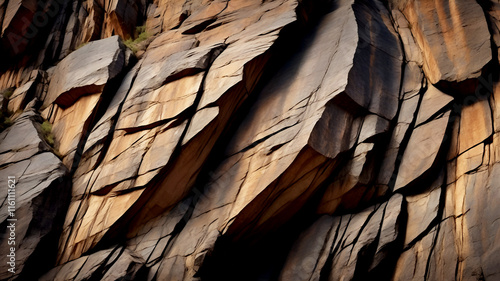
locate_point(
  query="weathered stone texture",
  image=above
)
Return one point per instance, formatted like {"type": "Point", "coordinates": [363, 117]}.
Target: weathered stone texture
{"type": "Point", "coordinates": [452, 35]}
{"type": "Point", "coordinates": [40, 197]}
{"type": "Point", "coordinates": [251, 140]}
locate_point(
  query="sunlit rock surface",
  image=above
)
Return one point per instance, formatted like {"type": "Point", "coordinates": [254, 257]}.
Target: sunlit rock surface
{"type": "Point", "coordinates": [251, 140]}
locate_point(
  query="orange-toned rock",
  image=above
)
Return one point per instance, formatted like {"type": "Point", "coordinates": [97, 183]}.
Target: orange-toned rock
{"type": "Point", "coordinates": [17, 18]}
{"type": "Point", "coordinates": [494, 21]}
{"type": "Point", "coordinates": [278, 157]}
{"type": "Point", "coordinates": [67, 132]}
{"type": "Point", "coordinates": [453, 37]}
{"type": "Point", "coordinates": [28, 91]}
{"type": "Point", "coordinates": [475, 125]}
{"type": "Point", "coordinates": [121, 17]}
{"type": "Point", "coordinates": [141, 135]}
{"type": "Point", "coordinates": [252, 140]}
{"type": "Point", "coordinates": [353, 181]}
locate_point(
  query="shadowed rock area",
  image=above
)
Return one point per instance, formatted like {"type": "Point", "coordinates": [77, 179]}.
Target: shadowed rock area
{"type": "Point", "coordinates": [250, 140]}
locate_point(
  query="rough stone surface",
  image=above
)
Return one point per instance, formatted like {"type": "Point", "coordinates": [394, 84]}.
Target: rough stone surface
{"type": "Point", "coordinates": [422, 151]}
{"type": "Point", "coordinates": [113, 264]}
{"type": "Point", "coordinates": [39, 190]}
{"type": "Point", "coordinates": [86, 71]}
{"type": "Point", "coordinates": [31, 89]}
{"type": "Point", "coordinates": [453, 37]}
{"type": "Point", "coordinates": [251, 140]}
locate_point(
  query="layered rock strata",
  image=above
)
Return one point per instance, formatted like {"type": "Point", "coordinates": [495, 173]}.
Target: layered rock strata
{"type": "Point", "coordinates": [251, 140]}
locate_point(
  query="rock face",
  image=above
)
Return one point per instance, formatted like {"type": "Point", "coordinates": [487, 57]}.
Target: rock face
{"type": "Point", "coordinates": [39, 191]}
{"type": "Point", "coordinates": [250, 140]}
{"type": "Point", "coordinates": [453, 37]}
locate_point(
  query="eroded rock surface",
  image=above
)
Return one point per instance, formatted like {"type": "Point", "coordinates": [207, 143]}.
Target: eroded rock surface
{"type": "Point", "coordinates": [452, 35]}
{"type": "Point", "coordinates": [39, 190]}
{"type": "Point", "coordinates": [251, 140]}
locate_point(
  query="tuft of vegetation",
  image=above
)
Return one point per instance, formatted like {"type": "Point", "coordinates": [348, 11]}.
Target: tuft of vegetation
{"type": "Point", "coordinates": [140, 35]}
{"type": "Point", "coordinates": [5, 121]}
{"type": "Point", "coordinates": [81, 45]}
{"type": "Point", "coordinates": [140, 29]}
{"type": "Point", "coordinates": [7, 93]}
{"type": "Point", "coordinates": [47, 132]}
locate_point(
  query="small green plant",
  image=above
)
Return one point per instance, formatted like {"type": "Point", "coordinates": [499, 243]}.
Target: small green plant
{"type": "Point", "coordinates": [7, 93]}
{"type": "Point", "coordinates": [81, 45]}
{"type": "Point", "coordinates": [140, 29]}
{"type": "Point", "coordinates": [4, 122]}
{"type": "Point", "coordinates": [47, 132]}
{"type": "Point", "coordinates": [141, 34]}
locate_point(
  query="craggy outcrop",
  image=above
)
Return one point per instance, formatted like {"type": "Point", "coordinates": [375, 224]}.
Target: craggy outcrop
{"type": "Point", "coordinates": [251, 140]}
{"type": "Point", "coordinates": [39, 190]}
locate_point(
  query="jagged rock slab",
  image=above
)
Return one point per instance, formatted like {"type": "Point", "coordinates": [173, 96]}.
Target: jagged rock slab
{"type": "Point", "coordinates": [373, 126]}
{"type": "Point", "coordinates": [113, 264]}
{"type": "Point", "coordinates": [77, 91]}
{"type": "Point", "coordinates": [183, 63]}
{"type": "Point", "coordinates": [40, 195]}
{"type": "Point", "coordinates": [475, 125]}
{"type": "Point", "coordinates": [277, 157]}
{"type": "Point", "coordinates": [33, 88]}
{"type": "Point", "coordinates": [121, 17]}
{"type": "Point", "coordinates": [22, 141]}
{"type": "Point", "coordinates": [310, 253]}
{"type": "Point", "coordinates": [422, 151]}
{"type": "Point", "coordinates": [388, 170]}
{"type": "Point", "coordinates": [423, 210]}
{"type": "Point", "coordinates": [453, 38]}
{"type": "Point", "coordinates": [382, 52]}
{"type": "Point", "coordinates": [390, 235]}
{"type": "Point", "coordinates": [67, 133]}
{"type": "Point", "coordinates": [432, 103]}
{"type": "Point", "coordinates": [337, 248]}
{"type": "Point", "coordinates": [244, 119]}
{"type": "Point", "coordinates": [86, 71]}
{"type": "Point", "coordinates": [353, 181]}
